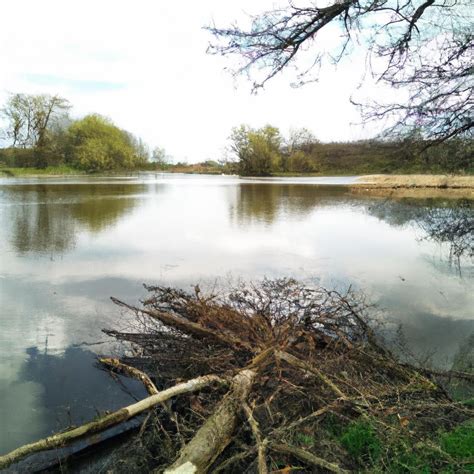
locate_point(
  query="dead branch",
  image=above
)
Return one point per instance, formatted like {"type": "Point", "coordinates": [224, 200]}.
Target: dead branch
{"type": "Point", "coordinates": [118, 366]}
{"type": "Point", "coordinates": [216, 433]}
{"type": "Point", "coordinates": [261, 443]}
{"type": "Point", "coordinates": [292, 360]}
{"type": "Point", "coordinates": [189, 327]}
{"type": "Point", "coordinates": [119, 416]}
{"type": "Point", "coordinates": [308, 457]}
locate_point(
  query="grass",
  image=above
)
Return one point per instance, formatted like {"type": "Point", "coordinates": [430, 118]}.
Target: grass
{"type": "Point", "coordinates": [374, 452]}
{"type": "Point", "coordinates": [459, 443]}
{"type": "Point", "coordinates": [362, 442]}
{"type": "Point", "coordinates": [48, 171]}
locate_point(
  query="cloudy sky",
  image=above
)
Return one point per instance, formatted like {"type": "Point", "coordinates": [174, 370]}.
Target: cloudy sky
{"type": "Point", "coordinates": [144, 65]}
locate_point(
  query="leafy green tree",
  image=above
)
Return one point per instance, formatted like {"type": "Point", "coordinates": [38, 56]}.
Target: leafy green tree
{"type": "Point", "coordinates": [258, 151]}
{"type": "Point", "coordinates": [300, 162]}
{"type": "Point", "coordinates": [300, 151]}
{"type": "Point", "coordinates": [96, 144]}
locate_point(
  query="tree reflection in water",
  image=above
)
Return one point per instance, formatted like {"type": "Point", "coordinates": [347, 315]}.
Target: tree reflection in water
{"type": "Point", "coordinates": [447, 222]}
{"type": "Point", "coordinates": [266, 202]}
{"type": "Point", "coordinates": [452, 225]}
{"type": "Point", "coordinates": [47, 218]}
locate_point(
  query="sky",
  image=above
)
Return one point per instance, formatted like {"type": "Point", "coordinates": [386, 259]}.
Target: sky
{"type": "Point", "coordinates": [144, 65]}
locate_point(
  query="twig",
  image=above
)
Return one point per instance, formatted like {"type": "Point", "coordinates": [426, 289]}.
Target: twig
{"type": "Point", "coordinates": [115, 364]}
{"type": "Point", "coordinates": [292, 360]}
{"type": "Point", "coordinates": [308, 457]}
{"type": "Point", "coordinates": [261, 443]}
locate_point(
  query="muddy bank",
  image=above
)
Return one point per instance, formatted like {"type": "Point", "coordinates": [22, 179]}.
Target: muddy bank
{"type": "Point", "coordinates": [416, 186]}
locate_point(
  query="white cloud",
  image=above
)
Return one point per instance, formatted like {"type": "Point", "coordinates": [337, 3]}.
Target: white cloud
{"type": "Point", "coordinates": [144, 64]}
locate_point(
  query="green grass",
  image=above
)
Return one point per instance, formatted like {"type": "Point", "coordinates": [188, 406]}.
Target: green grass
{"type": "Point", "coordinates": [362, 442]}
{"type": "Point", "coordinates": [459, 443]}
{"type": "Point", "coordinates": [48, 171]}
{"type": "Point", "coordinates": [448, 452]}
{"type": "Point", "coordinates": [304, 440]}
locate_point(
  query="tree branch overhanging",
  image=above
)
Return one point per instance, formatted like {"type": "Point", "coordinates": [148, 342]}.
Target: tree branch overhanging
{"type": "Point", "coordinates": [422, 46]}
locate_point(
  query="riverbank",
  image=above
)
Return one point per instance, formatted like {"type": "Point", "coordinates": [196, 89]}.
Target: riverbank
{"type": "Point", "coordinates": [50, 171]}
{"type": "Point", "coordinates": [417, 181]}
{"type": "Point", "coordinates": [416, 186]}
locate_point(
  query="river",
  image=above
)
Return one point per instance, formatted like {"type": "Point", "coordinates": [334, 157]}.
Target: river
{"type": "Point", "coordinates": [67, 245]}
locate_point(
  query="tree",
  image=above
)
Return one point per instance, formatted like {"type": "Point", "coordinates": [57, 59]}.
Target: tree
{"type": "Point", "coordinates": [424, 47]}
{"type": "Point", "coordinates": [96, 144]}
{"type": "Point", "coordinates": [160, 157]}
{"type": "Point", "coordinates": [31, 117]}
{"type": "Point", "coordinates": [258, 150]}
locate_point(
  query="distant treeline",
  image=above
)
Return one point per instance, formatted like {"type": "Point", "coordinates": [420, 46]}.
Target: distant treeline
{"type": "Point", "coordinates": [264, 152]}
{"type": "Point", "coordinates": [40, 133]}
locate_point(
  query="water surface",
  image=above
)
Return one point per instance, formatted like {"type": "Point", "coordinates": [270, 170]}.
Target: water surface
{"type": "Point", "coordinates": [68, 244]}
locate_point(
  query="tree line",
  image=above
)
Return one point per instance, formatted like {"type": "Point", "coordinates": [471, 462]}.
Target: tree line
{"type": "Point", "coordinates": [421, 49]}
{"type": "Point", "coordinates": [40, 132]}
{"type": "Point", "coordinates": [265, 151]}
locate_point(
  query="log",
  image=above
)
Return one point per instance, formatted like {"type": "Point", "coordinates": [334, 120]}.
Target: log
{"type": "Point", "coordinates": [119, 416]}
{"type": "Point", "coordinates": [216, 433]}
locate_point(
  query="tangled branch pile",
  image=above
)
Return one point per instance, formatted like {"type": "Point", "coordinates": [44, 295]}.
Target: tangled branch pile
{"type": "Point", "coordinates": [275, 377]}
{"type": "Point", "coordinates": [315, 374]}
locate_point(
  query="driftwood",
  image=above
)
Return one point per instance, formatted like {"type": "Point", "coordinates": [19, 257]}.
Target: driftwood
{"type": "Point", "coordinates": [216, 433]}
{"type": "Point", "coordinates": [119, 416]}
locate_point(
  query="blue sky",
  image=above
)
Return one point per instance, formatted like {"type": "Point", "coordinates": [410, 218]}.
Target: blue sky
{"type": "Point", "coordinates": [144, 65]}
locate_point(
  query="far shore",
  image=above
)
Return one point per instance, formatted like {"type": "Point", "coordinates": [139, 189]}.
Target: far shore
{"type": "Point", "coordinates": [416, 186]}
{"type": "Point", "coordinates": [417, 181]}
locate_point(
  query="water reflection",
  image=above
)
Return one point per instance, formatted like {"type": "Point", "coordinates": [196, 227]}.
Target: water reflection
{"type": "Point", "coordinates": [47, 218]}
{"type": "Point", "coordinates": [449, 223]}
{"type": "Point", "coordinates": [453, 225]}
{"type": "Point", "coordinates": [63, 390]}
{"type": "Point", "coordinates": [266, 202]}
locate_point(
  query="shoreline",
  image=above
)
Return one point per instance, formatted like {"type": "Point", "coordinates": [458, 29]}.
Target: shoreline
{"type": "Point", "coordinates": [416, 181]}
{"type": "Point", "coordinates": [415, 186]}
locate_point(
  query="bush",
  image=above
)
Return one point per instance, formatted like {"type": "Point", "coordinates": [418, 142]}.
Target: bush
{"type": "Point", "coordinates": [95, 144]}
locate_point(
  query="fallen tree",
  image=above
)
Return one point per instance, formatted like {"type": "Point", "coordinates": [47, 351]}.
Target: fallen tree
{"type": "Point", "coordinates": [310, 387]}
